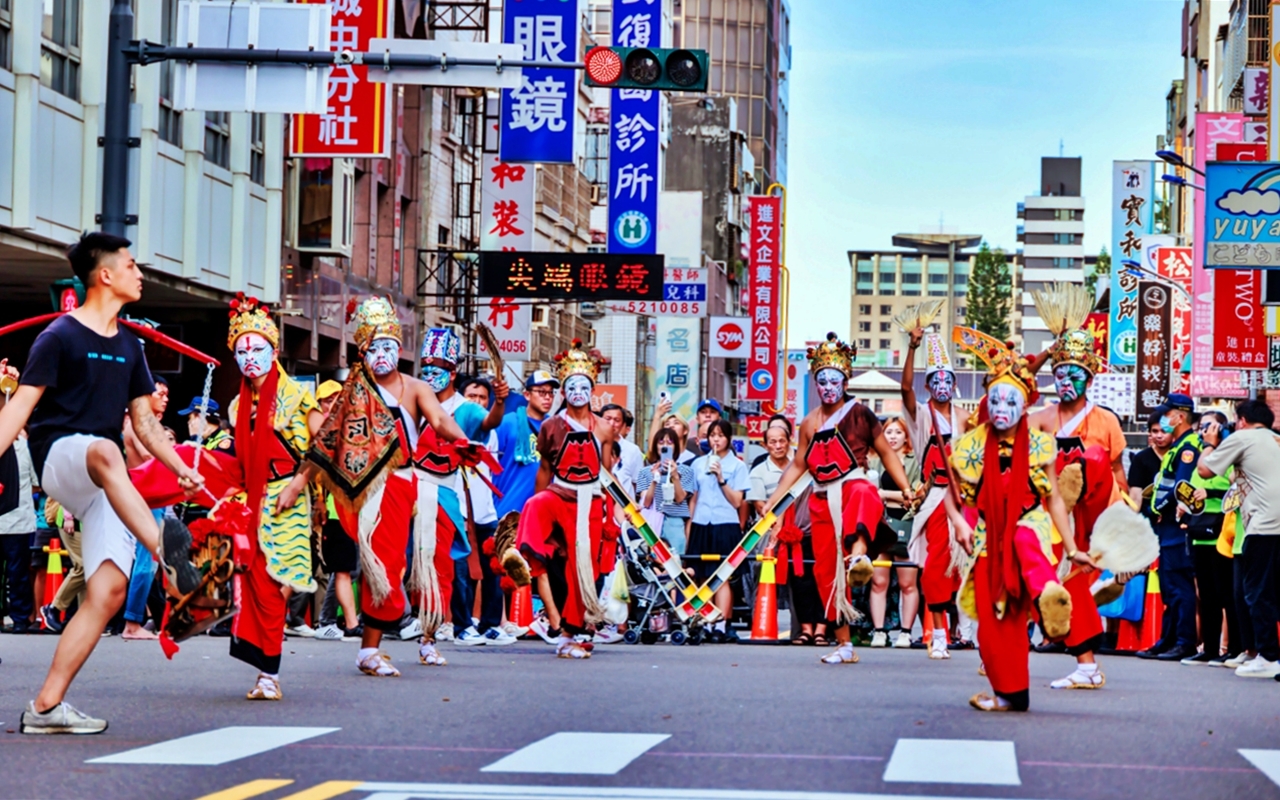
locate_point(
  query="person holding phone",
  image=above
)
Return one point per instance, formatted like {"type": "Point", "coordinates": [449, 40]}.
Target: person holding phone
{"type": "Point", "coordinates": [721, 482]}
{"type": "Point", "coordinates": [667, 486]}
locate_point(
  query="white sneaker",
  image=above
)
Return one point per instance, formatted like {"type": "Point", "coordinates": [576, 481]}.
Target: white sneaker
{"type": "Point", "coordinates": [1258, 668]}
{"type": "Point", "coordinates": [879, 639]}
{"type": "Point", "coordinates": [444, 633]}
{"type": "Point", "coordinates": [468, 638]}
{"type": "Point", "coordinates": [514, 630]}
{"type": "Point", "coordinates": [62, 718]}
{"type": "Point", "coordinates": [1238, 660]}
{"type": "Point", "coordinates": [304, 631]}
{"type": "Point", "coordinates": [543, 629]}
{"type": "Point", "coordinates": [329, 633]}
{"type": "Point", "coordinates": [496, 637]}
{"type": "Point", "coordinates": [411, 631]}
{"type": "Point", "coordinates": [903, 641]}
{"type": "Point", "coordinates": [607, 635]}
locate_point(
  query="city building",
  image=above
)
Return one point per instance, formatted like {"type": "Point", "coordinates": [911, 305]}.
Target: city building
{"type": "Point", "coordinates": [1051, 226]}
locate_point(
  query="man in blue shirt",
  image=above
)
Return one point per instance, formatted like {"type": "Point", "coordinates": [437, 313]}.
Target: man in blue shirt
{"type": "Point", "coordinates": [518, 442]}
{"type": "Point", "coordinates": [1177, 571]}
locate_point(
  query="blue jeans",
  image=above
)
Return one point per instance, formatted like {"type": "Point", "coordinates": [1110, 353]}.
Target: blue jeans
{"type": "Point", "coordinates": [144, 569]}
{"type": "Point", "coordinates": [673, 532]}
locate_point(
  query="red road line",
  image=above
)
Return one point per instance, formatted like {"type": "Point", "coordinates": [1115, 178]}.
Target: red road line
{"type": "Point", "coordinates": [791, 756]}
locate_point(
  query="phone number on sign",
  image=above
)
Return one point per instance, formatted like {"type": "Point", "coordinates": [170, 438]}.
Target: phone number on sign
{"type": "Point", "coordinates": [692, 309]}
{"type": "Point", "coordinates": [510, 346]}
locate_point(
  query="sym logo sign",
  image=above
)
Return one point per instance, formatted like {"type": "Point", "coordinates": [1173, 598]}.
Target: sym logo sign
{"type": "Point", "coordinates": [729, 338]}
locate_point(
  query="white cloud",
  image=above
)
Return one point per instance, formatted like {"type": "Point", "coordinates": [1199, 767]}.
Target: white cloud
{"type": "Point", "coordinates": [1251, 202]}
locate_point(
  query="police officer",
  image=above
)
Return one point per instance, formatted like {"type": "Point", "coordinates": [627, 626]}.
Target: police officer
{"type": "Point", "coordinates": [1177, 572]}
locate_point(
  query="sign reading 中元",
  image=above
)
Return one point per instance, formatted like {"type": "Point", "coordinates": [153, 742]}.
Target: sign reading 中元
{"type": "Point", "coordinates": [764, 259]}
{"type": "Point", "coordinates": [538, 118]}
{"type": "Point", "coordinates": [633, 139]}
{"type": "Point", "coordinates": [570, 276]}
{"type": "Point", "coordinates": [1131, 206]}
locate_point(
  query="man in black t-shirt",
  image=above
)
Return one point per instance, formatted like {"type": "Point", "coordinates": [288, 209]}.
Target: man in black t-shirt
{"type": "Point", "coordinates": [1144, 466]}
{"type": "Point", "coordinates": [82, 374]}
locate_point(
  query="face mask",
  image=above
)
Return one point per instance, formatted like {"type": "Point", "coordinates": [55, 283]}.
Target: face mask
{"type": "Point", "coordinates": [382, 356]}
{"type": "Point", "coordinates": [577, 391]}
{"type": "Point", "coordinates": [1167, 425]}
{"type": "Point", "coordinates": [254, 355]}
{"type": "Point", "coordinates": [1005, 405]}
{"type": "Point", "coordinates": [1071, 381]}
{"type": "Point", "coordinates": [830, 385]}
{"type": "Point", "coordinates": [942, 386]}
{"type": "Point", "coordinates": [437, 378]}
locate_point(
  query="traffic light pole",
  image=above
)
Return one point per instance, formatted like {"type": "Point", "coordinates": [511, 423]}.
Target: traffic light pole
{"type": "Point", "coordinates": [115, 140]}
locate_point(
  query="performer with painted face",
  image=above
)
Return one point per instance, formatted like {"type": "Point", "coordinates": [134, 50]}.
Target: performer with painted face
{"type": "Point", "coordinates": [931, 427]}
{"type": "Point", "coordinates": [365, 454]}
{"type": "Point", "coordinates": [845, 508]}
{"type": "Point", "coordinates": [1005, 469]}
{"type": "Point", "coordinates": [275, 419]}
{"type": "Point", "coordinates": [1090, 438]}
{"type": "Point", "coordinates": [566, 525]}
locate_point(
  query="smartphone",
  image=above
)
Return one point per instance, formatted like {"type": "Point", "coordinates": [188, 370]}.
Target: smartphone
{"type": "Point", "coordinates": [666, 452]}
{"type": "Point", "coordinates": [663, 397]}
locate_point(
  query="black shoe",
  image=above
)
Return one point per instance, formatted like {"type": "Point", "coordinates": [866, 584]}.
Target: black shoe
{"type": "Point", "coordinates": [51, 618]}
{"type": "Point", "coordinates": [730, 637]}
{"type": "Point", "coordinates": [1050, 647]}
{"type": "Point", "coordinates": [714, 637]}
{"type": "Point", "coordinates": [1176, 654]}
{"type": "Point", "coordinates": [1152, 652]}
{"type": "Point", "coordinates": [1198, 660]}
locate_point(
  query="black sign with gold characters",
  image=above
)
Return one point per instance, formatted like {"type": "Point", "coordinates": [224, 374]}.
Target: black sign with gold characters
{"type": "Point", "coordinates": [571, 276]}
{"type": "Point", "coordinates": [1186, 496]}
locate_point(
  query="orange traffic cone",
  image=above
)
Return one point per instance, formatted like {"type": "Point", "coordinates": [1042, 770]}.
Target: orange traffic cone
{"type": "Point", "coordinates": [522, 606]}
{"type": "Point", "coordinates": [53, 572]}
{"type": "Point", "coordinates": [764, 620]}
{"type": "Point", "coordinates": [1135, 636]}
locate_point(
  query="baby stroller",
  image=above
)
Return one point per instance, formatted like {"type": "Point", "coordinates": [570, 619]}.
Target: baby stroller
{"type": "Point", "coordinates": [651, 613]}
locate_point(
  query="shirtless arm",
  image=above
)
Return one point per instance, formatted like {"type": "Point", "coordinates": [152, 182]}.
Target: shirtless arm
{"type": "Point", "coordinates": [799, 466]}
{"type": "Point", "coordinates": [16, 412]}
{"type": "Point", "coordinates": [149, 430]}
{"type": "Point", "coordinates": [429, 408]}
{"type": "Point", "coordinates": [909, 374]}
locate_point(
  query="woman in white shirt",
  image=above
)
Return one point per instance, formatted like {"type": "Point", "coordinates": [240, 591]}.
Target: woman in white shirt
{"type": "Point", "coordinates": [721, 482]}
{"type": "Point", "coordinates": [667, 485]}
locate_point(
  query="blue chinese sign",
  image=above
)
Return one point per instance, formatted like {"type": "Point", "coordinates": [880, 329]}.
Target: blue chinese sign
{"type": "Point", "coordinates": [1242, 215]}
{"type": "Point", "coordinates": [1132, 200]}
{"type": "Point", "coordinates": [633, 139]}
{"type": "Point", "coordinates": [537, 118]}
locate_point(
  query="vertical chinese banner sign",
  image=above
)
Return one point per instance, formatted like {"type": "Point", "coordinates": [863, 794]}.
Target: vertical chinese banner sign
{"type": "Point", "coordinates": [1154, 307]}
{"type": "Point", "coordinates": [357, 123]}
{"type": "Point", "coordinates": [1096, 324]}
{"type": "Point", "coordinates": [679, 363]}
{"type": "Point", "coordinates": [1211, 129]}
{"type": "Point", "coordinates": [763, 286]}
{"type": "Point", "coordinates": [1239, 339]}
{"type": "Point", "coordinates": [1131, 202]}
{"type": "Point", "coordinates": [633, 140]}
{"type": "Point", "coordinates": [538, 118]}
{"type": "Point", "coordinates": [1174, 263]}
{"type": "Point", "coordinates": [506, 199]}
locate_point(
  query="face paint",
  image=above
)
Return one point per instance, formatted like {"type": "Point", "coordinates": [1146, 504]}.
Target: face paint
{"type": "Point", "coordinates": [830, 383]}
{"type": "Point", "coordinates": [382, 356]}
{"type": "Point", "coordinates": [577, 390]}
{"type": "Point", "coordinates": [1071, 380]}
{"type": "Point", "coordinates": [1005, 405]}
{"type": "Point", "coordinates": [437, 378]}
{"type": "Point", "coordinates": [941, 385]}
{"type": "Point", "coordinates": [254, 355]}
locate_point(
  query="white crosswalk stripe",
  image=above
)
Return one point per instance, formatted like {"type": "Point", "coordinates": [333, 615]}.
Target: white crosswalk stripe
{"type": "Point", "coordinates": [970, 761]}
{"type": "Point", "coordinates": [1267, 762]}
{"type": "Point", "coordinates": [214, 747]}
{"type": "Point", "coordinates": [462, 791]}
{"type": "Point", "coordinates": [579, 753]}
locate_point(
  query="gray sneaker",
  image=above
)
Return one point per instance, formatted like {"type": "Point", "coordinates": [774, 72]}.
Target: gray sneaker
{"type": "Point", "coordinates": [62, 718]}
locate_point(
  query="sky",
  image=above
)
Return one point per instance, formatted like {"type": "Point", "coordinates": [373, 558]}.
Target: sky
{"type": "Point", "coordinates": [903, 114]}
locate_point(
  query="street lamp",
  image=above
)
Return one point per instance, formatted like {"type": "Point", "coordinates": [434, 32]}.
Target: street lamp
{"type": "Point", "coordinates": [1170, 157]}
{"type": "Point", "coordinates": [1180, 181]}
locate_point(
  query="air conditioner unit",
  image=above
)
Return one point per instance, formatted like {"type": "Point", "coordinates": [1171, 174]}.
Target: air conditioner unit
{"type": "Point", "coordinates": [591, 311]}
{"type": "Point", "coordinates": [322, 208]}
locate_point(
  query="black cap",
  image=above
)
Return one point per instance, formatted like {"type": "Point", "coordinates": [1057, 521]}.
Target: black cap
{"type": "Point", "coordinates": [1180, 402]}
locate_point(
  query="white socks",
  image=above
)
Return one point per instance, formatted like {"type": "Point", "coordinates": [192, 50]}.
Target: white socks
{"type": "Point", "coordinates": [1086, 669]}
{"type": "Point", "coordinates": [940, 635]}
{"type": "Point", "coordinates": [720, 626]}
{"type": "Point", "coordinates": [364, 653]}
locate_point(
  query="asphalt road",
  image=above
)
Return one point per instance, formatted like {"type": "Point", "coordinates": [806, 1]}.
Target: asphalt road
{"type": "Point", "coordinates": [769, 720]}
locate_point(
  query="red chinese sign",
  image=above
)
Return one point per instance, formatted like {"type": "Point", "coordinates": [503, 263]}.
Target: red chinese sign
{"type": "Point", "coordinates": [357, 123]}
{"type": "Point", "coordinates": [1175, 264]}
{"type": "Point", "coordinates": [1096, 323]}
{"type": "Point", "coordinates": [764, 260]}
{"type": "Point", "coordinates": [571, 276]}
{"type": "Point", "coordinates": [1239, 337]}
{"type": "Point", "coordinates": [756, 426]}
{"type": "Point", "coordinates": [1242, 151]}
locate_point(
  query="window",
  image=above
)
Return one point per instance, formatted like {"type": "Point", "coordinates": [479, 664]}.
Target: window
{"type": "Point", "coordinates": [1065, 263]}
{"type": "Point", "coordinates": [867, 292]}
{"type": "Point", "coordinates": [888, 289]}
{"type": "Point", "coordinates": [911, 292]}
{"type": "Point", "coordinates": [60, 47]}
{"type": "Point", "coordinates": [885, 327]}
{"type": "Point", "coordinates": [865, 344]}
{"type": "Point", "coordinates": [863, 277]}
{"type": "Point", "coordinates": [1067, 213]}
{"type": "Point", "coordinates": [257, 148]}
{"type": "Point", "coordinates": [886, 309]}
{"type": "Point", "coordinates": [885, 344]}
{"type": "Point", "coordinates": [960, 312]}
{"type": "Point", "coordinates": [879, 406]}
{"type": "Point", "coordinates": [442, 236]}
{"type": "Point", "coordinates": [1064, 238]}
{"type": "Point", "coordinates": [864, 327]}
{"type": "Point", "coordinates": [911, 277]}
{"type": "Point", "coordinates": [888, 279]}
{"type": "Point", "coordinates": [170, 119]}
{"type": "Point", "coordinates": [935, 279]}
{"type": "Point", "coordinates": [6, 36]}
{"type": "Point", "coordinates": [217, 138]}
{"type": "Point", "coordinates": [864, 309]}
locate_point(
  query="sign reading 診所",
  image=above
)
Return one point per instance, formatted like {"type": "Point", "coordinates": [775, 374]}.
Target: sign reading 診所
{"type": "Point", "coordinates": [1242, 215]}
{"type": "Point", "coordinates": [571, 276]}
{"type": "Point", "coordinates": [634, 141]}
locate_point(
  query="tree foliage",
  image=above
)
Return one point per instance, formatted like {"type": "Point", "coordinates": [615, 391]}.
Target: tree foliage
{"type": "Point", "coordinates": [990, 298]}
{"type": "Point", "coordinates": [1101, 271]}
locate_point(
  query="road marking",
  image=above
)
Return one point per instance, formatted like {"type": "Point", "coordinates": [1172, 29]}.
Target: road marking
{"type": "Point", "coordinates": [324, 791]}
{"type": "Point", "coordinates": [462, 791]}
{"type": "Point", "coordinates": [1267, 762]}
{"type": "Point", "coordinates": [579, 753]}
{"type": "Point", "coordinates": [246, 790]}
{"type": "Point", "coordinates": [972, 761]}
{"type": "Point", "coordinates": [214, 747]}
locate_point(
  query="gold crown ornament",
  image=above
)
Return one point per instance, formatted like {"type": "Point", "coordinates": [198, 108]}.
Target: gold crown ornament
{"type": "Point", "coordinates": [249, 315]}
{"type": "Point", "coordinates": [1004, 363]}
{"type": "Point", "coordinates": [375, 318]}
{"type": "Point", "coordinates": [1064, 309]}
{"type": "Point", "coordinates": [833, 354]}
{"type": "Point", "coordinates": [576, 361]}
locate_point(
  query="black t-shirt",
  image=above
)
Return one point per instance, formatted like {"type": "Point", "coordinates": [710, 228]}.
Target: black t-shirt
{"type": "Point", "coordinates": [88, 382]}
{"type": "Point", "coordinates": [1143, 468]}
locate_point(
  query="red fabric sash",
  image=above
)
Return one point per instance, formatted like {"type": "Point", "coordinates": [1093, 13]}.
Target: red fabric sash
{"type": "Point", "coordinates": [1001, 501]}
{"type": "Point", "coordinates": [256, 429]}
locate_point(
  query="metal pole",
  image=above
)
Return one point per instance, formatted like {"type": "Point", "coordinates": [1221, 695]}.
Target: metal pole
{"type": "Point", "coordinates": [950, 322]}
{"type": "Point", "coordinates": [115, 141]}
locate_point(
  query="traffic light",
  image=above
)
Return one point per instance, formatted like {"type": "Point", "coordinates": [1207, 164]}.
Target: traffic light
{"type": "Point", "coordinates": [674, 70]}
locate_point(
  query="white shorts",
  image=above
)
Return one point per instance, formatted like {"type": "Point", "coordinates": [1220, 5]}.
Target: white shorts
{"type": "Point", "coordinates": [103, 536]}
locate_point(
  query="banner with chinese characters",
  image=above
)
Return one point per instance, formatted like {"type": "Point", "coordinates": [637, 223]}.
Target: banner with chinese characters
{"type": "Point", "coordinates": [764, 258]}
{"type": "Point", "coordinates": [1256, 81]}
{"type": "Point", "coordinates": [1174, 264]}
{"type": "Point", "coordinates": [511, 323]}
{"type": "Point", "coordinates": [1212, 129]}
{"type": "Point", "coordinates": [570, 276]}
{"type": "Point", "coordinates": [1154, 308]}
{"type": "Point", "coordinates": [1239, 338]}
{"type": "Point", "coordinates": [1114, 390]}
{"type": "Point", "coordinates": [1131, 204]}
{"type": "Point", "coordinates": [538, 118]}
{"type": "Point", "coordinates": [634, 120]}
{"type": "Point", "coordinates": [678, 370]}
{"type": "Point", "coordinates": [1096, 324]}
{"type": "Point", "coordinates": [358, 121]}
{"type": "Point", "coordinates": [506, 201]}
{"type": "Point", "coordinates": [684, 288]}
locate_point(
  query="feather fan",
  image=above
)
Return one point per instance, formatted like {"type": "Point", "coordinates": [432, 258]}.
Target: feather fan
{"type": "Point", "coordinates": [1063, 307]}
{"type": "Point", "coordinates": [920, 315]}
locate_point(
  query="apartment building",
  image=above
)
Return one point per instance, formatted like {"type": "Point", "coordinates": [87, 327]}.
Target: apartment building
{"type": "Point", "coordinates": [1051, 228]}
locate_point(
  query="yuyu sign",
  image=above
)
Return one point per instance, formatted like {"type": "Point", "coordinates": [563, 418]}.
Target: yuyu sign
{"type": "Point", "coordinates": [764, 259]}
{"type": "Point", "coordinates": [1242, 228]}
{"type": "Point", "coordinates": [537, 118]}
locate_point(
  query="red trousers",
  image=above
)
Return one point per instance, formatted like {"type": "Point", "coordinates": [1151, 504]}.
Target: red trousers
{"type": "Point", "coordinates": [548, 525]}
{"type": "Point", "coordinates": [862, 511]}
{"type": "Point", "coordinates": [257, 631]}
{"type": "Point", "coordinates": [1003, 642]}
{"type": "Point", "coordinates": [938, 587]}
{"type": "Point", "coordinates": [1086, 622]}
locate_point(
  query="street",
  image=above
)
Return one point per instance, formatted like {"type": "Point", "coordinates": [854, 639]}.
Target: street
{"type": "Point", "coordinates": [743, 719]}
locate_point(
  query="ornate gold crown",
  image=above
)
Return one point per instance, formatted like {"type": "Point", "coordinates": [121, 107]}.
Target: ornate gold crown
{"type": "Point", "coordinates": [1004, 364]}
{"type": "Point", "coordinates": [1064, 308]}
{"type": "Point", "coordinates": [248, 315]}
{"type": "Point", "coordinates": [1076, 347]}
{"type": "Point", "coordinates": [833, 354]}
{"type": "Point", "coordinates": [576, 361]}
{"type": "Point", "coordinates": [375, 318]}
